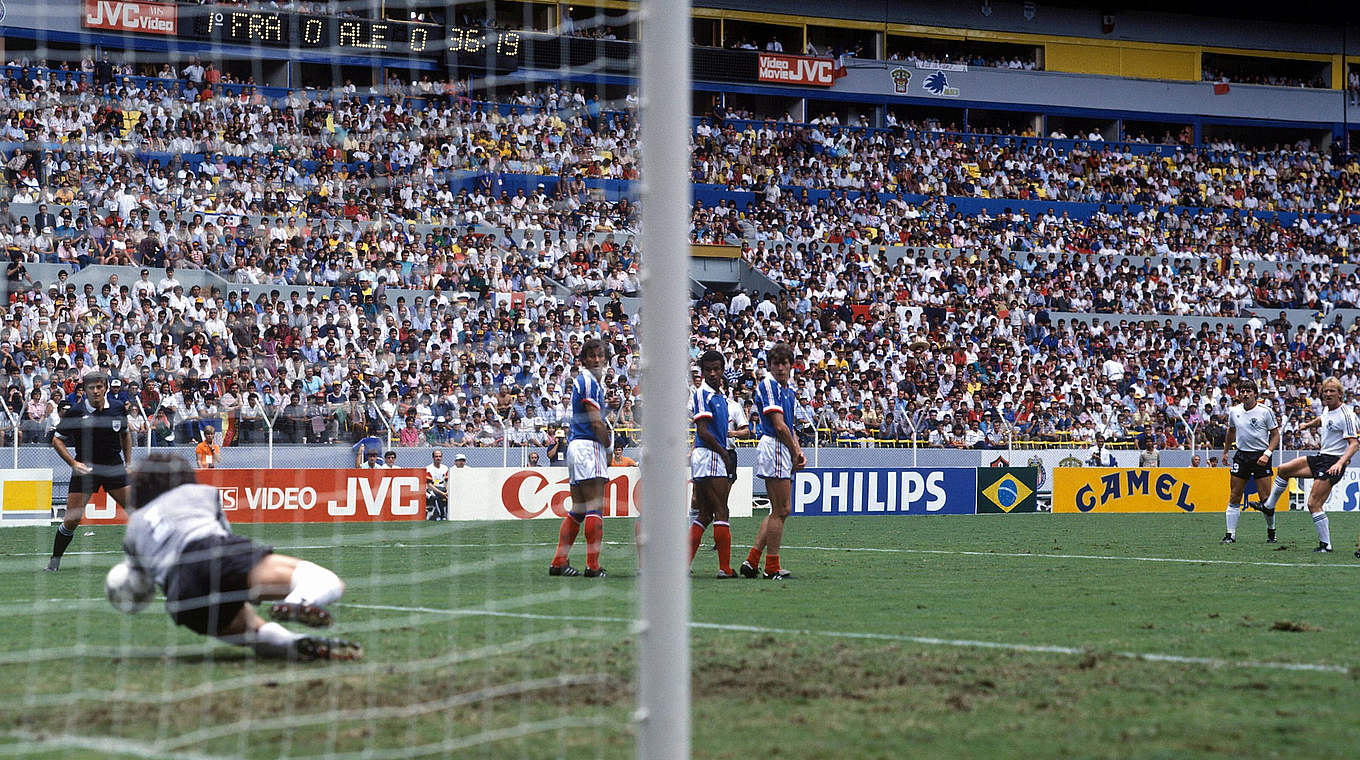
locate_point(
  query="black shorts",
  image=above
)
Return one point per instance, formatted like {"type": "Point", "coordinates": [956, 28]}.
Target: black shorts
{"type": "Point", "coordinates": [1318, 464]}
{"type": "Point", "coordinates": [1244, 465]}
{"type": "Point", "coordinates": [108, 478]}
{"type": "Point", "coordinates": [211, 582]}
{"type": "Point", "coordinates": [731, 460]}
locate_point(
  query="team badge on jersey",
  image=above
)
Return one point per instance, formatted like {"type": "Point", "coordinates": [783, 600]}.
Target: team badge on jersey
{"type": "Point", "coordinates": [117, 425]}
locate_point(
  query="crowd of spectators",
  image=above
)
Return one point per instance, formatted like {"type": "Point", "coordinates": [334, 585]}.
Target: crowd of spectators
{"type": "Point", "coordinates": [1211, 73]}
{"type": "Point", "coordinates": [953, 348]}
{"type": "Point", "coordinates": [1289, 178]}
{"type": "Point", "coordinates": [975, 59]}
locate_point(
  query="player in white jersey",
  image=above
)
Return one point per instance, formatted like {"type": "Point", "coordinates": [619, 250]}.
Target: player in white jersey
{"type": "Point", "coordinates": [1340, 439]}
{"type": "Point", "coordinates": [178, 535]}
{"type": "Point", "coordinates": [1252, 426]}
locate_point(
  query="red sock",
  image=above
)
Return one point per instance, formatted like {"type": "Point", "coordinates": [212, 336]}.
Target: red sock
{"type": "Point", "coordinates": [696, 534]}
{"type": "Point", "coordinates": [772, 563]}
{"type": "Point", "coordinates": [753, 557]}
{"type": "Point", "coordinates": [566, 536]}
{"type": "Point", "coordinates": [722, 536]}
{"type": "Point", "coordinates": [594, 527]}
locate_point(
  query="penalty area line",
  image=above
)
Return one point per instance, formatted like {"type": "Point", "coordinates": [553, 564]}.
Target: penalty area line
{"type": "Point", "coordinates": [1212, 662]}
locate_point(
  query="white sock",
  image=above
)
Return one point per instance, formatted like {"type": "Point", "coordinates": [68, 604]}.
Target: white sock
{"type": "Point", "coordinates": [1270, 516]}
{"type": "Point", "coordinates": [315, 585]}
{"type": "Point", "coordinates": [1277, 490]}
{"type": "Point", "coordinates": [1233, 512]}
{"type": "Point", "coordinates": [272, 640]}
{"type": "Point", "coordinates": [1324, 531]}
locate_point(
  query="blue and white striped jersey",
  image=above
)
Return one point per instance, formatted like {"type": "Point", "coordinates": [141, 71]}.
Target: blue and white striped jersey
{"type": "Point", "coordinates": [773, 397]}
{"type": "Point", "coordinates": [586, 394]}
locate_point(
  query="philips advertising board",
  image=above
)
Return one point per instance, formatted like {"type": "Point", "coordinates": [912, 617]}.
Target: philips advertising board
{"type": "Point", "coordinates": [907, 491]}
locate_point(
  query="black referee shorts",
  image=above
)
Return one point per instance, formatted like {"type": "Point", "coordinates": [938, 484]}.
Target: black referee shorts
{"type": "Point", "coordinates": [109, 478]}
{"type": "Point", "coordinates": [211, 582]}
{"type": "Point", "coordinates": [1244, 465]}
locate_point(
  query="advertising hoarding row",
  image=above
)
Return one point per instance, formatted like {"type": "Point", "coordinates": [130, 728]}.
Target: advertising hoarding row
{"type": "Point", "coordinates": [330, 496]}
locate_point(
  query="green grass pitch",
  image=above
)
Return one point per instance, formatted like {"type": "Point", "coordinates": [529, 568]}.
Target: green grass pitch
{"type": "Point", "coordinates": [1119, 636]}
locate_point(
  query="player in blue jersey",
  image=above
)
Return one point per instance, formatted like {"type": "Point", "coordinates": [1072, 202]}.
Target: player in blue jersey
{"type": "Point", "coordinates": [711, 461]}
{"type": "Point", "coordinates": [588, 439]}
{"type": "Point", "coordinates": [778, 456]}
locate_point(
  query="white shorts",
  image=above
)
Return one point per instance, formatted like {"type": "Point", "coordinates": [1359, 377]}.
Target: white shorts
{"type": "Point", "coordinates": [586, 460]}
{"type": "Point", "coordinates": [773, 459]}
{"type": "Point", "coordinates": [706, 463]}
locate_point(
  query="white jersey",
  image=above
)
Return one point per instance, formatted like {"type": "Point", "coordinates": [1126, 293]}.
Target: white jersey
{"type": "Point", "coordinates": [1338, 425]}
{"type": "Point", "coordinates": [157, 533]}
{"type": "Point", "coordinates": [438, 476]}
{"type": "Point", "coordinates": [1253, 427]}
{"type": "Point", "coordinates": [736, 418]}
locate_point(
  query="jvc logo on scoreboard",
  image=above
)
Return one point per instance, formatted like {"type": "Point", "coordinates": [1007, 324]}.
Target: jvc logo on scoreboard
{"type": "Point", "coordinates": [943, 491]}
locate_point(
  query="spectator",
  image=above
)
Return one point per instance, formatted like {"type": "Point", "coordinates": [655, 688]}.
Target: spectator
{"type": "Point", "coordinates": [1149, 456]}
{"type": "Point", "coordinates": [208, 452]}
{"type": "Point", "coordinates": [619, 459]}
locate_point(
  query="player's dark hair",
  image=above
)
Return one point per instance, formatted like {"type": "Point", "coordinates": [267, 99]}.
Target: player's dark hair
{"type": "Point", "coordinates": [1246, 385]}
{"type": "Point", "coordinates": [712, 357]}
{"type": "Point", "coordinates": [591, 344]}
{"type": "Point", "coordinates": [159, 473]}
{"type": "Point", "coordinates": [780, 354]}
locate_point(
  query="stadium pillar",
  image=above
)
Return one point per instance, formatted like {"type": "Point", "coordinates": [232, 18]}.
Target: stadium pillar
{"type": "Point", "coordinates": [663, 711]}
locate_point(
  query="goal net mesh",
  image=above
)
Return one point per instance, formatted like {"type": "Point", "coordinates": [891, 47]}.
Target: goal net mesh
{"type": "Point", "coordinates": [391, 227]}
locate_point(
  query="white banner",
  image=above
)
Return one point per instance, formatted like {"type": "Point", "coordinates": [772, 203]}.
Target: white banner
{"type": "Point", "coordinates": [26, 495]}
{"type": "Point", "coordinates": [1345, 496]}
{"type": "Point", "coordinates": [507, 493]}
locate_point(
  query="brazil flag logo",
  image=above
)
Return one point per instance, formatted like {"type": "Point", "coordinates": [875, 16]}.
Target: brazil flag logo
{"type": "Point", "coordinates": [1007, 489]}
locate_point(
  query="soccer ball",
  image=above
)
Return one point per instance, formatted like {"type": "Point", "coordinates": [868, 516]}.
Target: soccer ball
{"type": "Point", "coordinates": [128, 590]}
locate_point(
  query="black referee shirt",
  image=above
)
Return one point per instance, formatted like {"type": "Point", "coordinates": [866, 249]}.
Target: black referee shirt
{"type": "Point", "coordinates": [94, 437]}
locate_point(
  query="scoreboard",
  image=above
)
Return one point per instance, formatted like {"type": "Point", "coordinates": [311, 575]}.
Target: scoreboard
{"type": "Point", "coordinates": [465, 46]}
{"type": "Point", "coordinates": [242, 26]}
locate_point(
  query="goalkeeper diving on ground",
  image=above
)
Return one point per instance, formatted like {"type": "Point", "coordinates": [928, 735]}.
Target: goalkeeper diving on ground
{"type": "Point", "coordinates": [178, 536]}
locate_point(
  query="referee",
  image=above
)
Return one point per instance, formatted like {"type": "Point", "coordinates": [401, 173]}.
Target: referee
{"type": "Point", "coordinates": [93, 438]}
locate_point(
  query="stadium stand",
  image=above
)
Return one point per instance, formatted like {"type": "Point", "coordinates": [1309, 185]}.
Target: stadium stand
{"type": "Point", "coordinates": [405, 256]}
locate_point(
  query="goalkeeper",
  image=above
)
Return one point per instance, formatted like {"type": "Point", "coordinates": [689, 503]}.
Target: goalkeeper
{"type": "Point", "coordinates": [179, 536]}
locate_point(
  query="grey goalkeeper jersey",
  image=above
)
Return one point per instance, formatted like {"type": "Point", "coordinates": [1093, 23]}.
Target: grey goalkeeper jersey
{"type": "Point", "coordinates": [157, 533]}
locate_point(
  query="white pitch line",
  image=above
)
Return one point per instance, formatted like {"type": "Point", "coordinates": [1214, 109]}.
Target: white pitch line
{"type": "Point", "coordinates": [1102, 557]}
{"type": "Point", "coordinates": [1212, 662]}
{"type": "Point", "coordinates": [861, 549]}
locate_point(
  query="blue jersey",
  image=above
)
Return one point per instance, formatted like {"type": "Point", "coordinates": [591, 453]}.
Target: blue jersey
{"type": "Point", "coordinates": [773, 397]}
{"type": "Point", "coordinates": [706, 403]}
{"type": "Point", "coordinates": [586, 394]}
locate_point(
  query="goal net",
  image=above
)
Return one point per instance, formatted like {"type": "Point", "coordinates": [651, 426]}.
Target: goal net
{"type": "Point", "coordinates": [345, 259]}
